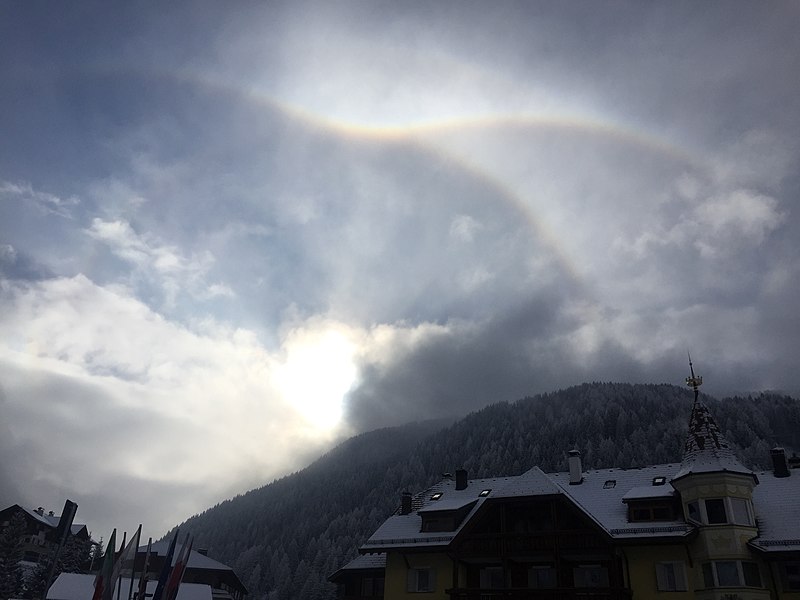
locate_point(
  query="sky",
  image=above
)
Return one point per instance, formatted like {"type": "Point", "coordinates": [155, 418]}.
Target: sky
{"type": "Point", "coordinates": [233, 234]}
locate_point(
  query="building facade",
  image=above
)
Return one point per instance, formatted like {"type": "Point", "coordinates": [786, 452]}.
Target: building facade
{"type": "Point", "coordinates": [707, 528]}
{"type": "Point", "coordinates": [40, 533]}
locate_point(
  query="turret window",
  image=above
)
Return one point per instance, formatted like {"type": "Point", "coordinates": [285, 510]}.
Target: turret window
{"type": "Point", "coordinates": [720, 511]}
{"type": "Point", "coordinates": [740, 511]}
{"type": "Point", "coordinates": [731, 573]}
{"type": "Point", "coordinates": [715, 511]}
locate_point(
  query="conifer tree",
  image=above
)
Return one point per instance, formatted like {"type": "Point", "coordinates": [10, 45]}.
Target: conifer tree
{"type": "Point", "coordinates": [10, 555]}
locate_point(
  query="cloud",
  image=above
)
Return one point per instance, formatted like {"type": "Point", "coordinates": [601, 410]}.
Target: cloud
{"type": "Point", "coordinates": [201, 410]}
{"type": "Point", "coordinates": [719, 227]}
{"type": "Point", "coordinates": [17, 265]}
{"type": "Point", "coordinates": [740, 214]}
{"type": "Point", "coordinates": [44, 202]}
{"type": "Point", "coordinates": [163, 264]}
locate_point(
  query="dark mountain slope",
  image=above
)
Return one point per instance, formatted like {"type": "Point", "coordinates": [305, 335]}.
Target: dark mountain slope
{"type": "Point", "coordinates": [285, 538]}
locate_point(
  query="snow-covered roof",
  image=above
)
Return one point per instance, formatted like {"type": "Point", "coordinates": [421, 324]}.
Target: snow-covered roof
{"type": "Point", "coordinates": [406, 530]}
{"type": "Point", "coordinates": [362, 562]}
{"type": "Point", "coordinates": [196, 560]}
{"type": "Point", "coordinates": [77, 586]}
{"type": "Point", "coordinates": [447, 504]}
{"type": "Point", "coordinates": [649, 492]}
{"type": "Point", "coordinates": [706, 449]}
{"type": "Point", "coordinates": [52, 520]}
{"type": "Point", "coordinates": [365, 562]}
{"type": "Point", "coordinates": [777, 504]}
{"type": "Point", "coordinates": [601, 496]}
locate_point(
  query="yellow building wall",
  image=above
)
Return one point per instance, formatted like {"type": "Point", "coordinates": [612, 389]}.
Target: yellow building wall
{"type": "Point", "coordinates": [775, 573]}
{"type": "Point", "coordinates": [641, 564]}
{"type": "Point", "coordinates": [395, 587]}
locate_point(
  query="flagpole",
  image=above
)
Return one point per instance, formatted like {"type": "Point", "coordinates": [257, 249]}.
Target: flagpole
{"type": "Point", "coordinates": [119, 581]}
{"type": "Point", "coordinates": [185, 566]}
{"type": "Point", "coordinates": [142, 591]}
{"type": "Point", "coordinates": [102, 583]}
{"type": "Point", "coordinates": [135, 554]}
{"type": "Point", "coordinates": [166, 568]}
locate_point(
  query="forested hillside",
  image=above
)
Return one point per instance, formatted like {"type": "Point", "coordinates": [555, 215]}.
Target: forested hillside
{"type": "Point", "coordinates": [285, 538]}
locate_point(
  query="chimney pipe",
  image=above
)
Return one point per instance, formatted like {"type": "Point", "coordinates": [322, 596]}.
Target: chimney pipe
{"type": "Point", "coordinates": [779, 466]}
{"type": "Point", "coordinates": [405, 503]}
{"type": "Point", "coordinates": [575, 467]}
{"type": "Point", "coordinates": [461, 479]}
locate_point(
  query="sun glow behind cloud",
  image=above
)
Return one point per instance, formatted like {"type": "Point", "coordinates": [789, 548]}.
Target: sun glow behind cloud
{"type": "Point", "coordinates": [316, 373]}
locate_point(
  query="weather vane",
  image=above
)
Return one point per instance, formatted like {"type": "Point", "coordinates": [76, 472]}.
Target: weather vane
{"type": "Point", "coordinates": [695, 381]}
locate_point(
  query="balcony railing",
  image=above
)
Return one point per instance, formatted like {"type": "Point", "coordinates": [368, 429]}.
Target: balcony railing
{"type": "Point", "coordinates": [540, 594]}
{"type": "Point", "coordinates": [493, 544]}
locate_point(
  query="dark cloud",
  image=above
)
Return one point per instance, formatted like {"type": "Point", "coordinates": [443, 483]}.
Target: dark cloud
{"type": "Point", "coordinates": [467, 366]}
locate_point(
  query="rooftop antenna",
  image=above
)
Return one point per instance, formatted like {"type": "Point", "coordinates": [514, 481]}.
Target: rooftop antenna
{"type": "Point", "coordinates": [695, 381]}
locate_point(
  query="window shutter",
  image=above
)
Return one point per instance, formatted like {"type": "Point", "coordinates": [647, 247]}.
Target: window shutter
{"type": "Point", "coordinates": [671, 576]}
{"type": "Point", "coordinates": [432, 580]}
{"type": "Point", "coordinates": [680, 577]}
{"type": "Point", "coordinates": [411, 580]}
{"type": "Point", "coordinates": [661, 577]}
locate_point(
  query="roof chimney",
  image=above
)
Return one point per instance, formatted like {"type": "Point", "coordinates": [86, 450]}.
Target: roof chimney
{"type": "Point", "coordinates": [405, 503]}
{"type": "Point", "coordinates": [575, 467]}
{"type": "Point", "coordinates": [461, 479]}
{"type": "Point", "coordinates": [779, 466]}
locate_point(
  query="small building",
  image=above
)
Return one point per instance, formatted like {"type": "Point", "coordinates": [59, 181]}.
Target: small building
{"type": "Point", "coordinates": [707, 528]}
{"type": "Point", "coordinates": [203, 579]}
{"type": "Point", "coordinates": [78, 586]}
{"type": "Point", "coordinates": [200, 569]}
{"type": "Point", "coordinates": [362, 578]}
{"type": "Point", "coordinates": [39, 538]}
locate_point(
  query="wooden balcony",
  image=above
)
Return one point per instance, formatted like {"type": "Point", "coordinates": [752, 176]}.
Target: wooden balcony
{"type": "Point", "coordinates": [496, 544]}
{"type": "Point", "coordinates": [540, 594]}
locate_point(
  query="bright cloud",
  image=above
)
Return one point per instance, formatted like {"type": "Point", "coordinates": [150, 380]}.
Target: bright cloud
{"type": "Point", "coordinates": [741, 213]}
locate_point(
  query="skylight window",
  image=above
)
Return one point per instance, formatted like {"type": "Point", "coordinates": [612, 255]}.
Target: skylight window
{"type": "Point", "coordinates": [659, 480]}
{"type": "Point", "coordinates": [610, 484]}
{"type": "Point", "coordinates": [485, 493]}
{"type": "Point", "coordinates": [436, 496]}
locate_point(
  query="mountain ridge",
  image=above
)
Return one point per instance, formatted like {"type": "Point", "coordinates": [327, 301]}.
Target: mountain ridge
{"type": "Point", "coordinates": [284, 538]}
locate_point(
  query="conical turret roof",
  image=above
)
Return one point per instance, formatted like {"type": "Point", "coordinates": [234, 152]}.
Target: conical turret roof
{"type": "Point", "coordinates": [706, 449]}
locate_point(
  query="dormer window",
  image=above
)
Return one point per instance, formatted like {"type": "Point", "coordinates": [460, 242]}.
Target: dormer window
{"type": "Point", "coordinates": [650, 511]}
{"type": "Point", "coordinates": [445, 515]}
{"type": "Point", "coordinates": [651, 503]}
